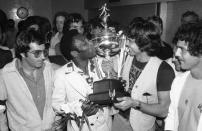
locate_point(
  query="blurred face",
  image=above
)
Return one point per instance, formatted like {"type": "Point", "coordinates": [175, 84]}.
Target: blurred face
{"type": "Point", "coordinates": [133, 48]}
{"type": "Point", "coordinates": [36, 55]}
{"type": "Point", "coordinates": [86, 49]}
{"type": "Point", "coordinates": [60, 20]}
{"type": "Point", "coordinates": [34, 27]}
{"type": "Point", "coordinates": [78, 26]}
{"type": "Point", "coordinates": [187, 61]}
{"type": "Point", "coordinates": [188, 19]}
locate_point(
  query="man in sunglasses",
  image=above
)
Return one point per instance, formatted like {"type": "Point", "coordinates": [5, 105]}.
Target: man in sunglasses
{"type": "Point", "coordinates": [26, 85]}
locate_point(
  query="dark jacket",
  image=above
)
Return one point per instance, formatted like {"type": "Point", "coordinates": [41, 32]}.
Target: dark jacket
{"type": "Point", "coordinates": [5, 57]}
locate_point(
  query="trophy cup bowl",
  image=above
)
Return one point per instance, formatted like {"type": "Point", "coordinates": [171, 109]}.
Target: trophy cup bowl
{"type": "Point", "coordinates": [107, 44]}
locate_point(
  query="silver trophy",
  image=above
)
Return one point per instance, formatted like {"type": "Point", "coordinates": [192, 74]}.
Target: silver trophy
{"type": "Point", "coordinates": [108, 44]}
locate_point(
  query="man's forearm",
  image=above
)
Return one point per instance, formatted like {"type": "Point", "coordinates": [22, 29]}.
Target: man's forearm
{"type": "Point", "coordinates": [157, 110]}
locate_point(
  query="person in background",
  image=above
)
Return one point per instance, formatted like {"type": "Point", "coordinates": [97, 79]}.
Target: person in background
{"type": "Point", "coordinates": [166, 51]}
{"type": "Point", "coordinates": [6, 55]}
{"type": "Point", "coordinates": [26, 85]}
{"type": "Point", "coordinates": [11, 34]}
{"type": "Point", "coordinates": [76, 21]}
{"type": "Point", "coordinates": [148, 80]}
{"type": "Point", "coordinates": [59, 28]}
{"type": "Point", "coordinates": [94, 28]}
{"type": "Point", "coordinates": [186, 104]}
{"type": "Point", "coordinates": [189, 17]}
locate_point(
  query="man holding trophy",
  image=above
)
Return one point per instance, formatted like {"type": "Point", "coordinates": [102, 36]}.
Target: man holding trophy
{"type": "Point", "coordinates": [148, 80]}
{"type": "Point", "coordinates": [73, 84]}
{"type": "Point", "coordinates": [84, 93]}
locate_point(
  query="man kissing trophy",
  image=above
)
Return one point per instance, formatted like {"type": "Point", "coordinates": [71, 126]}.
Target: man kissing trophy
{"type": "Point", "coordinates": [109, 44]}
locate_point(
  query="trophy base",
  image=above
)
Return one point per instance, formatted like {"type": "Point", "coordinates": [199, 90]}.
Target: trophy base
{"type": "Point", "coordinates": [106, 91]}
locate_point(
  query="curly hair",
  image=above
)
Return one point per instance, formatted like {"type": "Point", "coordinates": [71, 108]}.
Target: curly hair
{"type": "Point", "coordinates": [146, 37]}
{"type": "Point", "coordinates": [192, 34]}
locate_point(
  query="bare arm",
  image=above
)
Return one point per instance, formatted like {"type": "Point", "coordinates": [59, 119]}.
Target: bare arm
{"type": "Point", "coordinates": [161, 108]}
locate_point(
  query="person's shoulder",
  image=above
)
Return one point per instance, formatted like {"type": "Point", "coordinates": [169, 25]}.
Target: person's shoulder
{"type": "Point", "coordinates": [165, 70]}
{"type": "Point", "coordinates": [10, 66]}
{"type": "Point", "coordinates": [66, 69]}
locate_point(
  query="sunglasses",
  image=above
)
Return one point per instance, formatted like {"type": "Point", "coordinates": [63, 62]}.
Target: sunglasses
{"type": "Point", "coordinates": [38, 53]}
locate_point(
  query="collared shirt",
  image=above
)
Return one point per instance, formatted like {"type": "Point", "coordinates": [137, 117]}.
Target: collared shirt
{"type": "Point", "coordinates": [90, 77]}
{"type": "Point", "coordinates": [36, 87]}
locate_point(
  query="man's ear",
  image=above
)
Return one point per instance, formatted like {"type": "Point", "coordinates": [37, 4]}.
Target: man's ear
{"type": "Point", "coordinates": [74, 54]}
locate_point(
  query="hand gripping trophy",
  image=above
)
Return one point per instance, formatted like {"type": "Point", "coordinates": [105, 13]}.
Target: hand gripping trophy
{"type": "Point", "coordinates": [108, 44]}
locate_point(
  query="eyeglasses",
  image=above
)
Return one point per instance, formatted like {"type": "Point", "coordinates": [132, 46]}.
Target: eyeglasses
{"type": "Point", "coordinates": [38, 53]}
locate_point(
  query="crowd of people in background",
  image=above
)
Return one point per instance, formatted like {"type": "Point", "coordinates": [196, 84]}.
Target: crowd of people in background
{"type": "Point", "coordinates": [47, 71]}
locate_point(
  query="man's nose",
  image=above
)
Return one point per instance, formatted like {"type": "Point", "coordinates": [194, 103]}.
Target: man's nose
{"type": "Point", "coordinates": [43, 57]}
{"type": "Point", "coordinates": [178, 52]}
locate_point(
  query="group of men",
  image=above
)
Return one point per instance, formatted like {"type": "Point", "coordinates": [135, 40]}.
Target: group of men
{"type": "Point", "coordinates": [33, 94]}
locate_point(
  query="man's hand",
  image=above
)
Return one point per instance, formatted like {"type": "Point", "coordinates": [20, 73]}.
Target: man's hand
{"type": "Point", "coordinates": [89, 108]}
{"type": "Point", "coordinates": [125, 103]}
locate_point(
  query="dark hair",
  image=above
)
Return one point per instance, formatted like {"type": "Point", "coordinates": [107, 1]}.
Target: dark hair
{"type": "Point", "coordinates": [75, 17]}
{"type": "Point", "coordinates": [133, 24]}
{"type": "Point", "coordinates": [20, 25]}
{"type": "Point", "coordinates": [24, 39]}
{"type": "Point", "coordinates": [65, 15]}
{"type": "Point", "coordinates": [146, 37]}
{"type": "Point", "coordinates": [192, 34]}
{"type": "Point", "coordinates": [92, 24]}
{"type": "Point", "coordinates": [156, 20]}
{"type": "Point", "coordinates": [66, 43]}
{"type": "Point", "coordinates": [3, 20]}
{"type": "Point", "coordinates": [45, 28]}
{"type": "Point", "coordinates": [31, 20]}
{"type": "Point", "coordinates": [95, 22]}
{"type": "Point", "coordinates": [194, 15]}
{"type": "Point", "coordinates": [43, 23]}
